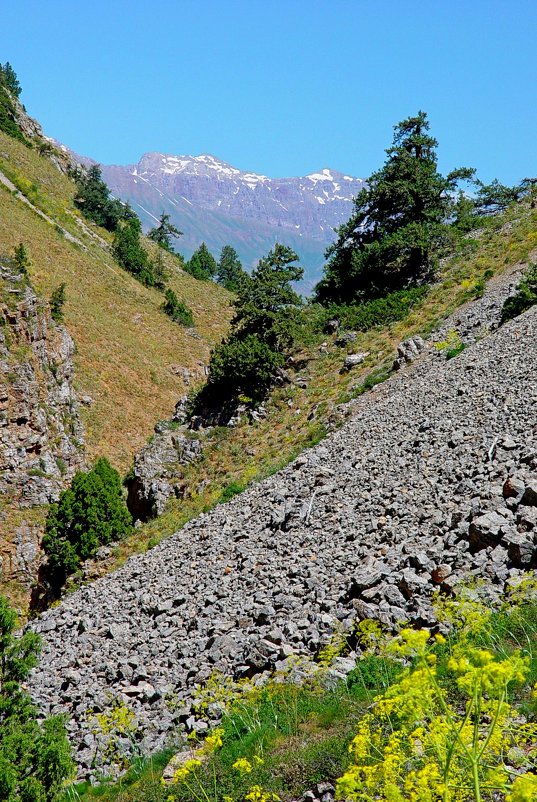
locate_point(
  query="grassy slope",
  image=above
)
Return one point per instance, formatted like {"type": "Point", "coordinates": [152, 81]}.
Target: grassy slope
{"type": "Point", "coordinates": [298, 417]}
{"type": "Point", "coordinates": [128, 352]}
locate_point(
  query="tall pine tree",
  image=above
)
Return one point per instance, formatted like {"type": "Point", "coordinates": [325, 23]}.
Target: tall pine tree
{"type": "Point", "coordinates": [394, 235]}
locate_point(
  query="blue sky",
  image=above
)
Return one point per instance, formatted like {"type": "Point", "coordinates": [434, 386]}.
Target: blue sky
{"type": "Point", "coordinates": [282, 87]}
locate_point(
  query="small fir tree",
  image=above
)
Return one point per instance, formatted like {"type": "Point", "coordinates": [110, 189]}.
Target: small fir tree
{"type": "Point", "coordinates": [202, 264]}
{"type": "Point", "coordinates": [8, 77]}
{"type": "Point", "coordinates": [176, 309]}
{"type": "Point", "coordinates": [89, 514]}
{"type": "Point", "coordinates": [261, 334]}
{"type": "Point", "coordinates": [230, 272]}
{"type": "Point", "coordinates": [130, 254]}
{"type": "Point", "coordinates": [94, 201]}
{"type": "Point", "coordinates": [57, 301]}
{"type": "Point", "coordinates": [21, 258]}
{"type": "Point", "coordinates": [163, 233]}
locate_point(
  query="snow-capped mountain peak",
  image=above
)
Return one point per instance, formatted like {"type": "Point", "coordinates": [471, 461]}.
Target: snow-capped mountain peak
{"type": "Point", "coordinates": [226, 205]}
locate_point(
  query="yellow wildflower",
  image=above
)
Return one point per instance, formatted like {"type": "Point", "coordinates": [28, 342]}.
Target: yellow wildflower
{"type": "Point", "coordinates": [243, 766]}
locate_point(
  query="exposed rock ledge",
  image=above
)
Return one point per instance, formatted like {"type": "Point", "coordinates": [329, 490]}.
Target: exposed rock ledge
{"type": "Point", "coordinates": [41, 436]}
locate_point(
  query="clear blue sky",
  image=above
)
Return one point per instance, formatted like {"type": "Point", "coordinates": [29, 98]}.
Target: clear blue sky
{"type": "Point", "coordinates": [282, 87]}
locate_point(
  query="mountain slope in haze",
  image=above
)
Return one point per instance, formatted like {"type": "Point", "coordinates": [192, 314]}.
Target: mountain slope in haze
{"type": "Point", "coordinates": [212, 201]}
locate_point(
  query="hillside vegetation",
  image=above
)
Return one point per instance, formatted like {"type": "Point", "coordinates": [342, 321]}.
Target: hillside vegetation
{"type": "Point", "coordinates": [130, 355]}
{"type": "Point", "coordinates": [315, 401]}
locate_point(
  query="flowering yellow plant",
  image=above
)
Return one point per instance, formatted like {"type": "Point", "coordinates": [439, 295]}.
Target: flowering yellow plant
{"type": "Point", "coordinates": [415, 745]}
{"type": "Point", "coordinates": [243, 766]}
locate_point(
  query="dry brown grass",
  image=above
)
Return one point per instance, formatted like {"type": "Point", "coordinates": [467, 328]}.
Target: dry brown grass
{"type": "Point", "coordinates": [129, 353]}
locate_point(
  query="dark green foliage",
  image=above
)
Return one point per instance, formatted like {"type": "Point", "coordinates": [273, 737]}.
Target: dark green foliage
{"type": "Point", "coordinates": [265, 298]}
{"type": "Point", "coordinates": [89, 514]}
{"type": "Point", "coordinates": [495, 197]}
{"type": "Point", "coordinates": [35, 757]}
{"type": "Point", "coordinates": [163, 233]}
{"type": "Point", "coordinates": [230, 273]}
{"type": "Point", "coordinates": [9, 88]}
{"type": "Point", "coordinates": [8, 78]}
{"type": "Point", "coordinates": [176, 309]}
{"type": "Point", "coordinates": [246, 363]}
{"type": "Point", "coordinates": [379, 312]}
{"type": "Point", "coordinates": [21, 258]}
{"type": "Point", "coordinates": [242, 366]}
{"type": "Point", "coordinates": [130, 254]}
{"type": "Point", "coordinates": [160, 274]}
{"type": "Point", "coordinates": [202, 264]}
{"type": "Point", "coordinates": [57, 301]}
{"type": "Point", "coordinates": [231, 490]}
{"type": "Point", "coordinates": [524, 298]}
{"type": "Point", "coordinates": [457, 349]}
{"type": "Point", "coordinates": [398, 227]}
{"type": "Point", "coordinates": [94, 201]}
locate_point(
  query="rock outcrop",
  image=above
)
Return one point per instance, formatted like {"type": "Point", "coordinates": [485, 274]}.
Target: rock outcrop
{"type": "Point", "coordinates": [156, 467]}
{"type": "Point", "coordinates": [41, 436]}
{"type": "Point", "coordinates": [431, 481]}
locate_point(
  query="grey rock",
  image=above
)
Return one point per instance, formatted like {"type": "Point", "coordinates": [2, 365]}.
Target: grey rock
{"type": "Point", "coordinates": [353, 360]}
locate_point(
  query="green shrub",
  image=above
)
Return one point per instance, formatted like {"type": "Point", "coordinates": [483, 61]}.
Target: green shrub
{"type": "Point", "coordinates": [525, 297]}
{"type": "Point", "coordinates": [57, 301]}
{"type": "Point", "coordinates": [176, 309]}
{"type": "Point", "coordinates": [35, 757]}
{"type": "Point", "coordinates": [21, 258]}
{"type": "Point", "coordinates": [89, 514]}
{"type": "Point", "coordinates": [379, 312]}
{"type": "Point", "coordinates": [232, 489]}
{"type": "Point", "coordinates": [241, 367]}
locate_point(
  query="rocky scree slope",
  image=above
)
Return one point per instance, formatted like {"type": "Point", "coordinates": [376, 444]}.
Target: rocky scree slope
{"type": "Point", "coordinates": [41, 436]}
{"type": "Point", "coordinates": [432, 480]}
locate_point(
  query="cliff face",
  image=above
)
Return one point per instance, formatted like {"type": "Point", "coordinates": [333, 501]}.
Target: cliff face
{"type": "Point", "coordinates": [41, 437]}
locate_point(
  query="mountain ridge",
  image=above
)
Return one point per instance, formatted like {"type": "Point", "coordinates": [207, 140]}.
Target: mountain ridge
{"type": "Point", "coordinates": [211, 200]}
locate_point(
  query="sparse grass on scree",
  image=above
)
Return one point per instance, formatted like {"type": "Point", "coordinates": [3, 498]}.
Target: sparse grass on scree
{"type": "Point", "coordinates": [129, 353]}
{"type": "Point", "coordinates": [302, 732]}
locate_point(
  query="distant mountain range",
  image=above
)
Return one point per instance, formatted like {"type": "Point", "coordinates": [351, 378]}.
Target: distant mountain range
{"type": "Point", "coordinates": [212, 201]}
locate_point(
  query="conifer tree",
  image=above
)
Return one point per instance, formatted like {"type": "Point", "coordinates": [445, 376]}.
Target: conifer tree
{"type": "Point", "coordinates": [89, 514]}
{"type": "Point", "coordinates": [246, 363]}
{"type": "Point", "coordinates": [393, 237]}
{"type": "Point", "coordinates": [202, 264]}
{"type": "Point", "coordinates": [163, 233]}
{"type": "Point", "coordinates": [230, 272]}
{"type": "Point", "coordinates": [57, 301]}
{"type": "Point", "coordinates": [8, 77]}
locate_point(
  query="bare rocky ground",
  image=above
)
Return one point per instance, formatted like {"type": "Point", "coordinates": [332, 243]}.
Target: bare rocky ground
{"type": "Point", "coordinates": [433, 479]}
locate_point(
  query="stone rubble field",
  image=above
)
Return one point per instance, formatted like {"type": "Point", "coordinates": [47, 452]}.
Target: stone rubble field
{"type": "Point", "coordinates": [433, 479]}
